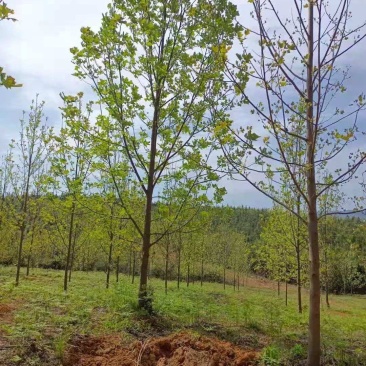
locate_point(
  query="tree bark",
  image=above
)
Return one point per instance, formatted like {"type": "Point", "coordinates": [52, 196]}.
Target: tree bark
{"type": "Point", "coordinates": [145, 301]}
{"type": "Point", "coordinates": [314, 306]}
{"type": "Point", "coordinates": [178, 273]}
{"type": "Point", "coordinates": [133, 267]}
{"type": "Point", "coordinates": [166, 267]}
{"type": "Point", "coordinates": [117, 269]}
{"type": "Point", "coordinates": [299, 302]}
{"type": "Point", "coordinates": [286, 290]}
{"type": "Point", "coordinates": [188, 274]}
{"type": "Point", "coordinates": [72, 254]}
{"type": "Point", "coordinates": [201, 272]}
{"type": "Point", "coordinates": [69, 247]}
{"type": "Point", "coordinates": [298, 257]}
{"type": "Point", "coordinates": [109, 267]}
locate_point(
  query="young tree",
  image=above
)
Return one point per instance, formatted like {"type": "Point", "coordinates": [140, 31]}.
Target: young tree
{"type": "Point", "coordinates": [29, 155]}
{"type": "Point", "coordinates": [70, 165]}
{"type": "Point", "coordinates": [282, 251]}
{"type": "Point", "coordinates": [299, 71]}
{"type": "Point", "coordinates": [157, 68]}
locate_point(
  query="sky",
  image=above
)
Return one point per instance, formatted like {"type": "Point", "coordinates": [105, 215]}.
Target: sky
{"type": "Point", "coordinates": [35, 50]}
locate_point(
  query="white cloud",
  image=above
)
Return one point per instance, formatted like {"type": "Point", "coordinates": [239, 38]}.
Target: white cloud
{"type": "Point", "coordinates": [35, 50]}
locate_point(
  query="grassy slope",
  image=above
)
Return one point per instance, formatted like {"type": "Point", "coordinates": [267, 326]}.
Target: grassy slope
{"type": "Point", "coordinates": [253, 317]}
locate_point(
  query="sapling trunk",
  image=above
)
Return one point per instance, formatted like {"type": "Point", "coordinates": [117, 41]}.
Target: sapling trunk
{"type": "Point", "coordinates": [117, 269]}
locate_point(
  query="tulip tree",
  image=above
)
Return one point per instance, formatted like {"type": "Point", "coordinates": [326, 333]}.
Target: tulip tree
{"type": "Point", "coordinates": [157, 69]}
{"type": "Point", "coordinates": [298, 71]}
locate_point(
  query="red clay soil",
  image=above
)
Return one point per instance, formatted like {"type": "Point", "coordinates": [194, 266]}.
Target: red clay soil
{"type": "Point", "coordinates": [181, 349]}
{"type": "Point", "coordinates": [5, 310]}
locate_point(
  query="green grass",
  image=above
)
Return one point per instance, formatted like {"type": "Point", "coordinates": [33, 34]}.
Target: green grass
{"type": "Point", "coordinates": [253, 317]}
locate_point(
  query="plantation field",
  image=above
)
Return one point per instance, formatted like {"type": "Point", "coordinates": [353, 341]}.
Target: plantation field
{"type": "Point", "coordinates": [91, 325]}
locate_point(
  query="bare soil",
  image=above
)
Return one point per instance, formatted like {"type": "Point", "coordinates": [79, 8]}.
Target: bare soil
{"type": "Point", "coordinates": [182, 349]}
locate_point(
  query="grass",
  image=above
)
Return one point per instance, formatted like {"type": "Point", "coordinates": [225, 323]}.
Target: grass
{"type": "Point", "coordinates": [254, 317]}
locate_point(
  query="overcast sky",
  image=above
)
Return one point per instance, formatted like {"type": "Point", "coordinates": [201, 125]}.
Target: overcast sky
{"type": "Point", "coordinates": [35, 50]}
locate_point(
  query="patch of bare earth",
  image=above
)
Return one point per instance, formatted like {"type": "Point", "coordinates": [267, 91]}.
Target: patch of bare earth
{"type": "Point", "coordinates": [6, 317]}
{"type": "Point", "coordinates": [182, 349]}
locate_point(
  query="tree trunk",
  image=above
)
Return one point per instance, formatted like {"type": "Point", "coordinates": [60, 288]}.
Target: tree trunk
{"type": "Point", "coordinates": [278, 287]}
{"type": "Point", "coordinates": [72, 254]}
{"type": "Point", "coordinates": [201, 272]}
{"type": "Point", "coordinates": [179, 262]}
{"type": "Point", "coordinates": [109, 267]}
{"type": "Point", "coordinates": [69, 247]}
{"type": "Point", "coordinates": [166, 267]}
{"type": "Point", "coordinates": [314, 305]}
{"type": "Point", "coordinates": [145, 301]}
{"type": "Point", "coordinates": [24, 211]}
{"type": "Point", "coordinates": [286, 293]}
{"type": "Point", "coordinates": [298, 257]}
{"type": "Point", "coordinates": [188, 274]}
{"type": "Point", "coordinates": [28, 264]}
{"type": "Point", "coordinates": [299, 302]}
{"type": "Point", "coordinates": [117, 269]}
{"type": "Point", "coordinates": [20, 252]}
{"type": "Point", "coordinates": [30, 248]}
{"type": "Point", "coordinates": [224, 278]}
{"type": "Point", "coordinates": [326, 279]}
{"type": "Point", "coordinates": [130, 263]}
{"type": "Point", "coordinates": [133, 267]}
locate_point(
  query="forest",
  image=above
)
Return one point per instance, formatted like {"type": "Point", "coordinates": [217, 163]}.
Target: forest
{"type": "Point", "coordinates": [117, 244]}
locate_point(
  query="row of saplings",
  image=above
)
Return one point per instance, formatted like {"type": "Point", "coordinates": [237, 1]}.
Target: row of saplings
{"type": "Point", "coordinates": [338, 283]}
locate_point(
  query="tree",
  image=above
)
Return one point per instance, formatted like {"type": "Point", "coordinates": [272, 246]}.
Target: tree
{"type": "Point", "coordinates": [70, 166]}
{"type": "Point", "coordinates": [156, 66]}
{"type": "Point", "coordinates": [29, 155]}
{"type": "Point", "coordinates": [282, 250]}
{"type": "Point", "coordinates": [298, 69]}
{"type": "Point", "coordinates": [6, 80]}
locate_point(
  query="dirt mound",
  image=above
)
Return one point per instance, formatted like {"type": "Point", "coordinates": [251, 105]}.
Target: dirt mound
{"type": "Point", "coordinates": [182, 349]}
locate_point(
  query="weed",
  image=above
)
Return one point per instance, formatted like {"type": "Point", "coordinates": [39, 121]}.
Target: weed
{"type": "Point", "coordinates": [297, 352]}
{"type": "Point", "coordinates": [271, 356]}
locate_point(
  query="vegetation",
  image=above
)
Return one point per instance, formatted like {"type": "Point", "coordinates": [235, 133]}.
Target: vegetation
{"type": "Point", "coordinates": [131, 183]}
{"type": "Point", "coordinates": [251, 317]}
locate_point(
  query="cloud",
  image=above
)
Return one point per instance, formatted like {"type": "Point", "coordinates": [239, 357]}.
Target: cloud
{"type": "Point", "coordinates": [35, 50]}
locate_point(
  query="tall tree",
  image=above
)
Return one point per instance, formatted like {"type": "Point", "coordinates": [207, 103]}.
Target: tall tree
{"type": "Point", "coordinates": [300, 72]}
{"type": "Point", "coordinates": [157, 67]}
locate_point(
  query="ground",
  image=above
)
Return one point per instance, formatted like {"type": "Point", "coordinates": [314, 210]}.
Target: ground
{"type": "Point", "coordinates": [92, 325]}
{"type": "Point", "coordinates": [181, 349]}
